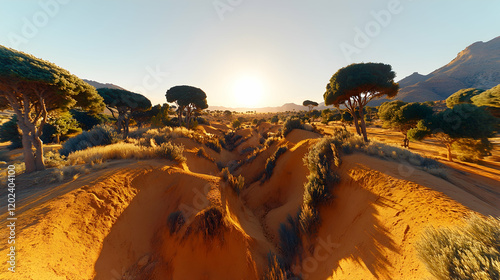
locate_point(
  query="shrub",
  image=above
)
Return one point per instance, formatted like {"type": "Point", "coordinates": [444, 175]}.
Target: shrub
{"type": "Point", "coordinates": [171, 152]}
{"type": "Point", "coordinates": [10, 132]}
{"type": "Point", "coordinates": [214, 144]}
{"type": "Point", "coordinates": [464, 252]}
{"type": "Point", "coordinates": [472, 150]}
{"type": "Point", "coordinates": [291, 124]}
{"type": "Point", "coordinates": [211, 222]}
{"type": "Point", "coordinates": [99, 154]}
{"type": "Point", "coordinates": [202, 120]}
{"type": "Point", "coordinates": [275, 270]}
{"type": "Point", "coordinates": [201, 153]}
{"type": "Point", "coordinates": [54, 159]}
{"type": "Point", "coordinates": [236, 124]}
{"type": "Point", "coordinates": [236, 183]}
{"type": "Point", "coordinates": [317, 191]}
{"type": "Point", "coordinates": [100, 135]}
{"type": "Point", "coordinates": [271, 162]}
{"type": "Point", "coordinates": [275, 119]}
{"type": "Point", "coordinates": [175, 221]}
{"type": "Point", "coordinates": [309, 219]}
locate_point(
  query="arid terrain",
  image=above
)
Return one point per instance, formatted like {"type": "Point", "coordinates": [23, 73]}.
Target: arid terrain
{"type": "Point", "coordinates": [111, 222]}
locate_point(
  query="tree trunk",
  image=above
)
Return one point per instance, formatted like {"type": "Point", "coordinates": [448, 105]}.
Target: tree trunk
{"type": "Point", "coordinates": [29, 157]}
{"type": "Point", "coordinates": [39, 162]}
{"type": "Point", "coordinates": [363, 124]}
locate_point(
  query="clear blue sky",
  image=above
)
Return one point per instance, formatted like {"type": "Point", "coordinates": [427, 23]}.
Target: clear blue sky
{"type": "Point", "coordinates": [273, 51]}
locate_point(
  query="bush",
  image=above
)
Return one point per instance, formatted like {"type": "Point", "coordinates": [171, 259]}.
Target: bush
{"type": "Point", "coordinates": [464, 252]}
{"type": "Point", "coordinates": [202, 120]}
{"type": "Point", "coordinates": [275, 270]}
{"type": "Point", "coordinates": [175, 221]}
{"type": "Point", "coordinates": [10, 132]}
{"type": "Point", "coordinates": [291, 124]}
{"type": "Point", "coordinates": [236, 124]}
{"type": "Point", "coordinates": [171, 152]}
{"type": "Point", "coordinates": [274, 119]}
{"type": "Point", "coordinates": [317, 191]}
{"type": "Point", "coordinates": [472, 150]}
{"type": "Point", "coordinates": [99, 154]}
{"type": "Point", "coordinates": [214, 144]}
{"type": "Point", "coordinates": [201, 153]}
{"type": "Point", "coordinates": [211, 222]}
{"type": "Point", "coordinates": [309, 219]}
{"type": "Point", "coordinates": [271, 162]}
{"type": "Point", "coordinates": [236, 183]}
{"type": "Point", "coordinates": [98, 136]}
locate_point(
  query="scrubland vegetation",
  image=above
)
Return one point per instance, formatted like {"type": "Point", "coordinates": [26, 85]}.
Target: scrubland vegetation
{"type": "Point", "coordinates": [136, 130]}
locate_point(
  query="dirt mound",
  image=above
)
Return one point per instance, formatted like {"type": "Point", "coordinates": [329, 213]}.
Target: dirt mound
{"type": "Point", "coordinates": [156, 220]}
{"type": "Point", "coordinates": [297, 135]}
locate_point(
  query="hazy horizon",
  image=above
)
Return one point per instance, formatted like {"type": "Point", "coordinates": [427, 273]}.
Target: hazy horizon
{"type": "Point", "coordinates": [272, 53]}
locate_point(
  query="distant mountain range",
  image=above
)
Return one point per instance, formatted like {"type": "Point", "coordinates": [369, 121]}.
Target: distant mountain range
{"type": "Point", "coordinates": [284, 108]}
{"type": "Point", "coordinates": [477, 66]}
{"type": "Point", "coordinates": [101, 85]}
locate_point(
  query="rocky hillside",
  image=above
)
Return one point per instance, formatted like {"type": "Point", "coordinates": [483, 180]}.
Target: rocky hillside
{"type": "Point", "coordinates": [477, 66]}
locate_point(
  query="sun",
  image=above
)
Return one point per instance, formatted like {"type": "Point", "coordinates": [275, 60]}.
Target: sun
{"type": "Point", "coordinates": [248, 91]}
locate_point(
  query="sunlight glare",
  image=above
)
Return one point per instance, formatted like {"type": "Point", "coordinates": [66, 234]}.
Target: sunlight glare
{"type": "Point", "coordinates": [248, 91]}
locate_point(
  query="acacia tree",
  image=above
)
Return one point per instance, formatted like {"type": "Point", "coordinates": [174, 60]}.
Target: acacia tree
{"type": "Point", "coordinates": [403, 116]}
{"type": "Point", "coordinates": [463, 121]}
{"type": "Point", "coordinates": [357, 84]}
{"type": "Point", "coordinates": [310, 104]}
{"type": "Point", "coordinates": [124, 103]}
{"type": "Point", "coordinates": [462, 96]}
{"type": "Point", "coordinates": [33, 88]}
{"type": "Point", "coordinates": [188, 99]}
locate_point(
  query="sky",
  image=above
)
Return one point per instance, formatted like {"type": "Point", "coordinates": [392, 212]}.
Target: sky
{"type": "Point", "coordinates": [242, 53]}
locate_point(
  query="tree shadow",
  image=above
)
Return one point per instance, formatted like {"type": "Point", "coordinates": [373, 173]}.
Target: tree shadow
{"type": "Point", "coordinates": [351, 226]}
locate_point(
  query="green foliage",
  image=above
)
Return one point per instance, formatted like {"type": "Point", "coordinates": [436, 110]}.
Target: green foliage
{"type": "Point", "coordinates": [62, 124]}
{"type": "Point", "coordinates": [188, 99]}
{"type": "Point", "coordinates": [275, 119]}
{"type": "Point", "coordinates": [462, 96]}
{"type": "Point", "coordinates": [172, 152]}
{"type": "Point", "coordinates": [310, 104]}
{"type": "Point", "coordinates": [236, 183]}
{"type": "Point", "coordinates": [472, 150]}
{"type": "Point", "coordinates": [125, 103]}
{"type": "Point", "coordinates": [464, 252]}
{"type": "Point", "coordinates": [405, 117]}
{"type": "Point", "coordinates": [271, 162]}
{"type": "Point", "coordinates": [175, 221]}
{"type": "Point", "coordinates": [375, 79]}
{"type": "Point", "coordinates": [10, 132]}
{"type": "Point", "coordinates": [357, 84]}
{"type": "Point", "coordinates": [33, 88]}
{"type": "Point", "coordinates": [161, 118]}
{"type": "Point", "coordinates": [87, 120]}
{"type": "Point", "coordinates": [291, 124]}
{"type": "Point", "coordinates": [98, 136]}
{"type": "Point", "coordinates": [463, 121]}
{"type": "Point", "coordinates": [236, 124]}
{"type": "Point", "coordinates": [488, 98]}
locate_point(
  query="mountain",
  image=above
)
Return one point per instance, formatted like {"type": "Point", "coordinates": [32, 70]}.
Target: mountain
{"type": "Point", "coordinates": [477, 66]}
{"type": "Point", "coordinates": [284, 108]}
{"type": "Point", "coordinates": [101, 85]}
